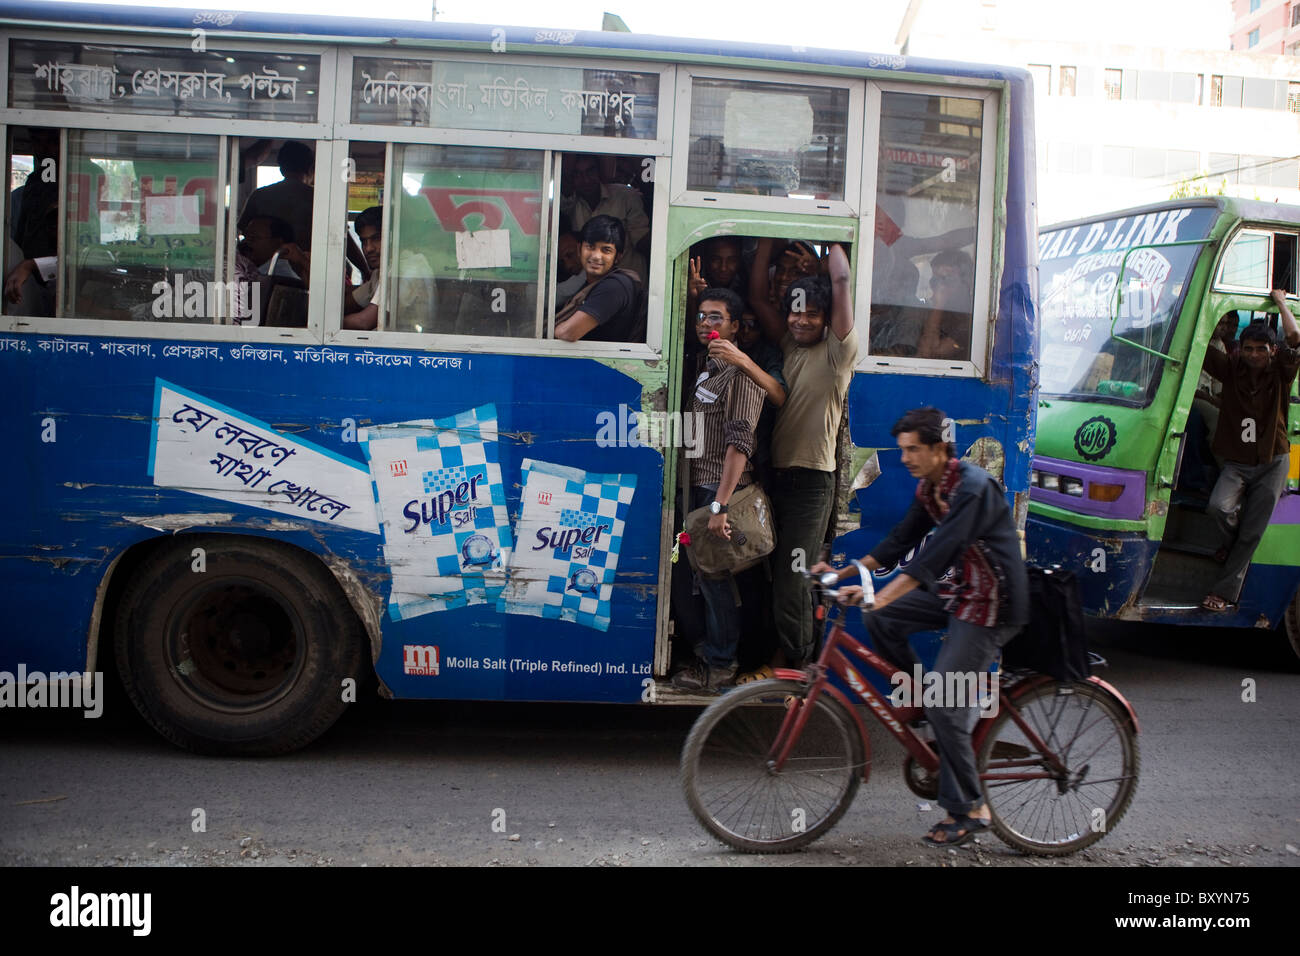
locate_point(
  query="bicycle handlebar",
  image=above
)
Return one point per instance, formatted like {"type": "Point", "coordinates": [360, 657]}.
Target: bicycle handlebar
{"type": "Point", "coordinates": [830, 579]}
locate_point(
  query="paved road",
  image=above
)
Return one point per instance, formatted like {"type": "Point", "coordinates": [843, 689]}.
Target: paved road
{"type": "Point", "coordinates": [415, 783]}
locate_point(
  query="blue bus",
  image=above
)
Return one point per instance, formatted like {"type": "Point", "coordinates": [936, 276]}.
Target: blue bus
{"type": "Point", "coordinates": [246, 480]}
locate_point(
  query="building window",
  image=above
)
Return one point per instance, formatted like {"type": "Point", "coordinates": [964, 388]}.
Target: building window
{"type": "Point", "coordinates": [1114, 82]}
{"type": "Point", "coordinates": [1042, 74]}
{"type": "Point", "coordinates": [1293, 97]}
{"type": "Point", "coordinates": [1295, 15]}
{"type": "Point", "coordinates": [1254, 5]}
{"type": "Point", "coordinates": [1065, 87]}
{"type": "Point", "coordinates": [1252, 38]}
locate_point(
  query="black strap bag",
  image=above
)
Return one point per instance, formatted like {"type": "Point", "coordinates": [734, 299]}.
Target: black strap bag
{"type": "Point", "coordinates": [1054, 641]}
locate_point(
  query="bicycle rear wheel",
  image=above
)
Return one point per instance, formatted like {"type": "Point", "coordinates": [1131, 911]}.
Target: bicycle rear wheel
{"type": "Point", "coordinates": [736, 793]}
{"type": "Point", "coordinates": [1049, 811]}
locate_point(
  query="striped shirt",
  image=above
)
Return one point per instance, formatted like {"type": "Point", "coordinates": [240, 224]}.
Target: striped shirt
{"type": "Point", "coordinates": [727, 405]}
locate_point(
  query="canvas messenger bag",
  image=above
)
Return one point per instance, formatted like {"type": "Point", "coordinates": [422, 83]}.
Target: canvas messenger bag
{"type": "Point", "coordinates": [753, 535]}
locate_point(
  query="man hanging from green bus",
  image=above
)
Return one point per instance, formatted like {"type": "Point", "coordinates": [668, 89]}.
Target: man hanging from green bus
{"type": "Point", "coordinates": [1251, 441]}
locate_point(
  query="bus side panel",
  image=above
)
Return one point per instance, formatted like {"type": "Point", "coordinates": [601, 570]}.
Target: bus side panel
{"type": "Point", "coordinates": [1110, 567]}
{"type": "Point", "coordinates": [81, 425]}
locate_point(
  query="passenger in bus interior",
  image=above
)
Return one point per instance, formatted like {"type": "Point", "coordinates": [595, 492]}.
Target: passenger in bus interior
{"type": "Point", "coordinates": [583, 196]}
{"type": "Point", "coordinates": [414, 310]}
{"type": "Point", "coordinates": [611, 306]}
{"type": "Point", "coordinates": [946, 333]}
{"type": "Point", "coordinates": [1252, 442]}
{"type": "Point", "coordinates": [291, 198]}
{"type": "Point", "coordinates": [35, 230]}
{"type": "Point", "coordinates": [569, 272]}
{"type": "Point", "coordinates": [819, 343]}
{"type": "Point", "coordinates": [728, 405]}
{"type": "Point", "coordinates": [264, 237]}
{"type": "Point", "coordinates": [715, 263]}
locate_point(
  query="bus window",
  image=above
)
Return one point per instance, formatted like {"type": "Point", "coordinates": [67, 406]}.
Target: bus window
{"type": "Point", "coordinates": [768, 139]}
{"type": "Point", "coordinates": [141, 218]}
{"type": "Point", "coordinates": [465, 238]}
{"type": "Point", "coordinates": [927, 206]}
{"type": "Point", "coordinates": [1258, 260]}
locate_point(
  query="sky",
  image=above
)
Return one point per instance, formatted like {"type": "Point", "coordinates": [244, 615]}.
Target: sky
{"type": "Point", "coordinates": [868, 26]}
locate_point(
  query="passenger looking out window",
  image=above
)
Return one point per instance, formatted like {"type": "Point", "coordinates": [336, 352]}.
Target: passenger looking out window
{"type": "Point", "coordinates": [611, 306]}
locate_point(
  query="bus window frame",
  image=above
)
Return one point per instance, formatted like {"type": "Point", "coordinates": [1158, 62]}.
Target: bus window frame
{"type": "Point", "coordinates": [994, 136]}
{"type": "Point", "coordinates": [853, 165]}
{"type": "Point", "coordinates": [225, 131]}
{"type": "Point", "coordinates": [552, 147]}
{"type": "Point", "coordinates": [1257, 228]}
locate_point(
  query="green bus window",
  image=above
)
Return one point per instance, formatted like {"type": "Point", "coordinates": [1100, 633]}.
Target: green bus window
{"type": "Point", "coordinates": [140, 226]}
{"type": "Point", "coordinates": [768, 139]}
{"type": "Point", "coordinates": [1245, 264]}
{"type": "Point", "coordinates": [927, 206]}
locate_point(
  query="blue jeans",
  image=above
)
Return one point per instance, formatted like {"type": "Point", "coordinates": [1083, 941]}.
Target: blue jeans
{"type": "Point", "coordinates": [721, 614]}
{"type": "Point", "coordinates": [967, 649]}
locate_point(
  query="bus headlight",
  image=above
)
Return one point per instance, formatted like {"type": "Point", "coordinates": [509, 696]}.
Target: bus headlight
{"type": "Point", "coordinates": [1050, 482]}
{"type": "Point", "coordinates": [1072, 486]}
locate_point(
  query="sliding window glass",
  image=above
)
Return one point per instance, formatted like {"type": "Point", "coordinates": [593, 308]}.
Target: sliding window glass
{"type": "Point", "coordinates": [140, 218]}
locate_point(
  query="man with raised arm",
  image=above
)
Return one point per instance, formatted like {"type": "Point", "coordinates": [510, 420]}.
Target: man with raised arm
{"type": "Point", "coordinates": [967, 577]}
{"type": "Point", "coordinates": [815, 331]}
{"type": "Point", "coordinates": [1251, 441]}
{"type": "Point", "coordinates": [728, 405]}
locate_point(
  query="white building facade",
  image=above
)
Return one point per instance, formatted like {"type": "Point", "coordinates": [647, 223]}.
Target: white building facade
{"type": "Point", "coordinates": [1123, 117]}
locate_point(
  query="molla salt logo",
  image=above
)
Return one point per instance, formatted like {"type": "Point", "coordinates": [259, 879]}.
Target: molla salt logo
{"type": "Point", "coordinates": [453, 497]}
{"type": "Point", "coordinates": [577, 534]}
{"type": "Point", "coordinates": [1095, 438]}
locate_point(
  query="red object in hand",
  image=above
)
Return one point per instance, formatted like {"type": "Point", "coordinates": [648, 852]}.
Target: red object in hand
{"type": "Point", "coordinates": [714, 335]}
{"type": "Point", "coordinates": [684, 538]}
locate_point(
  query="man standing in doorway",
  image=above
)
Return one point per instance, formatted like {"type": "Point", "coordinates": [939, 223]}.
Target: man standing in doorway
{"type": "Point", "coordinates": [1251, 441]}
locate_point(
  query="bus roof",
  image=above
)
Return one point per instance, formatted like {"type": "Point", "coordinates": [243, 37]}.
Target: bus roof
{"type": "Point", "coordinates": [1251, 210]}
{"type": "Point", "coordinates": [415, 33]}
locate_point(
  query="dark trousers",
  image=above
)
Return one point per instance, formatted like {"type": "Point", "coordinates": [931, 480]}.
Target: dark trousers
{"type": "Point", "coordinates": [1244, 496]}
{"type": "Point", "coordinates": [967, 649]}
{"type": "Point", "coordinates": [802, 499]}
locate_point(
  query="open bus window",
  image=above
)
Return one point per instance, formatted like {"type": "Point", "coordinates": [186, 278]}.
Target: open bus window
{"type": "Point", "coordinates": [1258, 261]}
{"type": "Point", "coordinates": [140, 223]}
{"type": "Point", "coordinates": [927, 207]}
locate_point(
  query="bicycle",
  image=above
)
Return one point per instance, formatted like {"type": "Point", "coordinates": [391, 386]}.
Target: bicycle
{"type": "Point", "coordinates": [772, 765]}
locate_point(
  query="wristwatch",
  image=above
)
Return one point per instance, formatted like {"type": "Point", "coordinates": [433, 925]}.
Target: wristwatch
{"type": "Point", "coordinates": [716, 508]}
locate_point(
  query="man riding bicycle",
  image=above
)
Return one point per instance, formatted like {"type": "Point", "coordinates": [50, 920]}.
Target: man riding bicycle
{"type": "Point", "coordinates": [967, 576]}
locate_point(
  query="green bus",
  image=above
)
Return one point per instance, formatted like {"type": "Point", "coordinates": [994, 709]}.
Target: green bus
{"type": "Point", "coordinates": [1122, 471]}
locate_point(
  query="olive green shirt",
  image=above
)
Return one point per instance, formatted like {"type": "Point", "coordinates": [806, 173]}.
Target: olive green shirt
{"type": "Point", "coordinates": [817, 380]}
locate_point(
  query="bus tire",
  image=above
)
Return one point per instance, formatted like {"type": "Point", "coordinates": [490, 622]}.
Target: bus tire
{"type": "Point", "coordinates": [242, 652]}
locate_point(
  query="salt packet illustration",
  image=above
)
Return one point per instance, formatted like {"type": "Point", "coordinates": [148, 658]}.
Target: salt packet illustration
{"type": "Point", "coordinates": [569, 533]}
{"type": "Point", "coordinates": [442, 510]}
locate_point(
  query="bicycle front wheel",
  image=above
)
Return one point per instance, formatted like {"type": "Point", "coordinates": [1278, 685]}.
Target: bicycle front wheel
{"type": "Point", "coordinates": [1056, 807]}
{"type": "Point", "coordinates": [733, 786]}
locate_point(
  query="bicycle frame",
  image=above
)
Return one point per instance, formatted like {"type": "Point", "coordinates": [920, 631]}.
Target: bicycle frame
{"type": "Point", "coordinates": [833, 659]}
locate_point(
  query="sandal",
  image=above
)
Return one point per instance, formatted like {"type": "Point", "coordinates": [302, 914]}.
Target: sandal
{"type": "Point", "coordinates": [961, 830]}
{"type": "Point", "coordinates": [1213, 602]}
{"type": "Point", "coordinates": [762, 673]}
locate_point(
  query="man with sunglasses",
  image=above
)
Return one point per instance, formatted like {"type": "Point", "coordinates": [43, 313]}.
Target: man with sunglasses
{"type": "Point", "coordinates": [1251, 441]}
{"type": "Point", "coordinates": [727, 405]}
